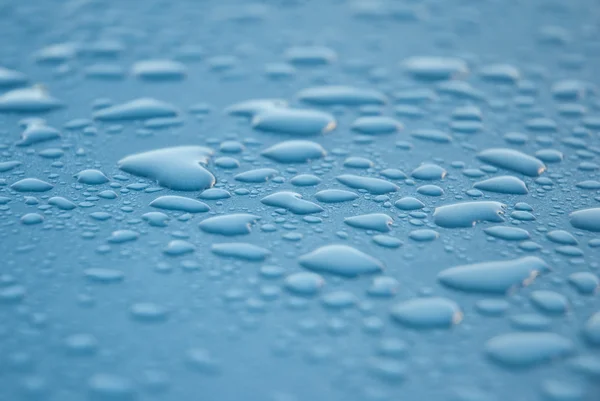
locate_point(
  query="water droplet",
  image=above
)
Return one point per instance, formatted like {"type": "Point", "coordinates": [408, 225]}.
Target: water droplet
{"type": "Point", "coordinates": [427, 313]}
{"type": "Point", "coordinates": [298, 151]}
{"type": "Point", "coordinates": [296, 122]}
{"type": "Point", "coordinates": [12, 294]}
{"type": "Point", "coordinates": [81, 344]}
{"type": "Point", "coordinates": [32, 218]}
{"type": "Point", "coordinates": [383, 286]}
{"type": "Point", "coordinates": [305, 180]}
{"type": "Point", "coordinates": [28, 100]}
{"type": "Point", "coordinates": [202, 361]}
{"type": "Point", "coordinates": [180, 203]}
{"type": "Point", "coordinates": [387, 241]}
{"type": "Point", "coordinates": [291, 201]}
{"type": "Point", "coordinates": [179, 247]}
{"type": "Point", "coordinates": [250, 108]}
{"type": "Point", "coordinates": [561, 237]}
{"type": "Point", "coordinates": [467, 214]}
{"type": "Point", "coordinates": [429, 172]}
{"type": "Point", "coordinates": [559, 390]}
{"type": "Point", "coordinates": [586, 219]}
{"type": "Point", "coordinates": [122, 236]}
{"type": "Point", "coordinates": [505, 184]}
{"type": "Point", "coordinates": [549, 302]}
{"type": "Point", "coordinates": [61, 203]}
{"type": "Point", "coordinates": [497, 277]}
{"type": "Point", "coordinates": [358, 162]}
{"type": "Point", "coordinates": [257, 175]}
{"type": "Point", "coordinates": [585, 283]}
{"type": "Point", "coordinates": [340, 260]}
{"type": "Point", "coordinates": [526, 350]}
{"type": "Point", "coordinates": [38, 133]}
{"type": "Point", "coordinates": [305, 284]}
{"type": "Point", "coordinates": [423, 235]}
{"type": "Point", "coordinates": [375, 186]}
{"type": "Point", "coordinates": [409, 203]}
{"type": "Point", "coordinates": [148, 312]}
{"type": "Point", "coordinates": [341, 95]}
{"type": "Point", "coordinates": [159, 70]}
{"type": "Point", "coordinates": [138, 109]}
{"type": "Point", "coordinates": [500, 73]}
{"type": "Point", "coordinates": [431, 135]}
{"type": "Point", "coordinates": [335, 196]}
{"type": "Point", "coordinates": [91, 177]}
{"type": "Point", "coordinates": [549, 155]}
{"type": "Point", "coordinates": [337, 300]}
{"type": "Point", "coordinates": [104, 275]}
{"type": "Point", "coordinates": [430, 190]}
{"type": "Point", "coordinates": [214, 194]}
{"type": "Point", "coordinates": [156, 219]}
{"type": "Point", "coordinates": [31, 185]}
{"type": "Point", "coordinates": [104, 386]}
{"type": "Point", "coordinates": [241, 250]}
{"type": "Point", "coordinates": [104, 72]}
{"type": "Point", "coordinates": [513, 160]}
{"type": "Point", "coordinates": [591, 329]}
{"type": "Point", "coordinates": [179, 168]}
{"type": "Point", "coordinates": [56, 53]}
{"type": "Point", "coordinates": [376, 125]}
{"type": "Point", "coordinates": [508, 233]}
{"type": "Point", "coordinates": [374, 221]}
{"type": "Point", "coordinates": [11, 78]}
{"type": "Point", "coordinates": [229, 224]}
{"type": "Point", "coordinates": [428, 68]}
{"type": "Point", "coordinates": [9, 165]}
{"type": "Point", "coordinates": [308, 56]}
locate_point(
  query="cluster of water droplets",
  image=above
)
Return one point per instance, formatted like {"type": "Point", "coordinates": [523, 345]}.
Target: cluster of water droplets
{"type": "Point", "coordinates": [291, 222]}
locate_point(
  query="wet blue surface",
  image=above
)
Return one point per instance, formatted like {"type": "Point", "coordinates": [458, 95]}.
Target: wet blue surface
{"type": "Point", "coordinates": [300, 200]}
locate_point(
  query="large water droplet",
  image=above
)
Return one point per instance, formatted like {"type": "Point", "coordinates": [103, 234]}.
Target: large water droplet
{"type": "Point", "coordinates": [466, 214]}
{"type": "Point", "coordinates": [513, 160]}
{"type": "Point", "coordinates": [31, 185]}
{"type": "Point", "coordinates": [497, 277]}
{"type": "Point", "coordinates": [586, 219]}
{"type": "Point", "coordinates": [28, 100]}
{"type": "Point", "coordinates": [179, 168]}
{"type": "Point", "coordinates": [340, 260]}
{"type": "Point", "coordinates": [37, 133]}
